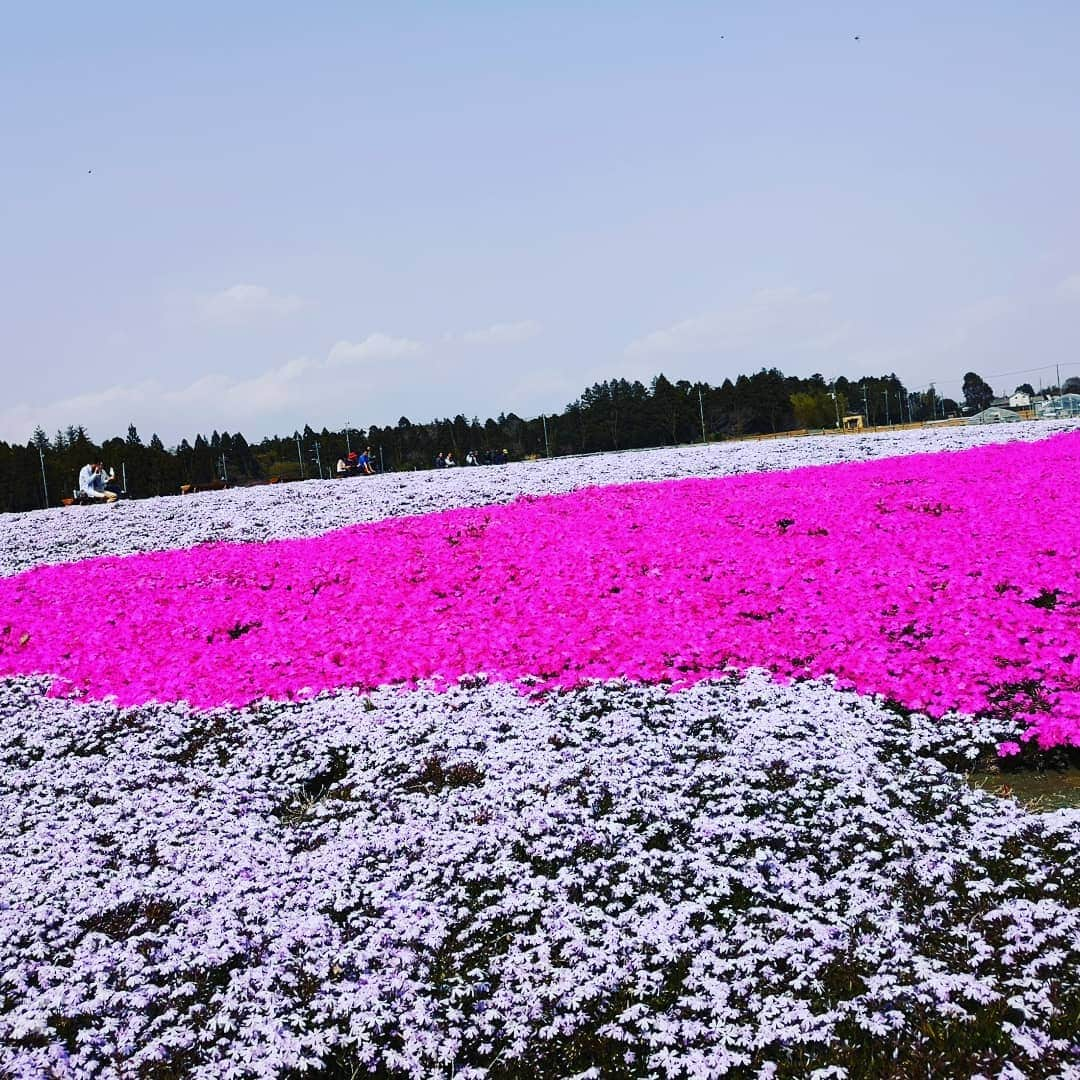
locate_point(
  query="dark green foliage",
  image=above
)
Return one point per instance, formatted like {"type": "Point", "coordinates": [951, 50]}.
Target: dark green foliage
{"type": "Point", "coordinates": [613, 415]}
{"type": "Point", "coordinates": [978, 395]}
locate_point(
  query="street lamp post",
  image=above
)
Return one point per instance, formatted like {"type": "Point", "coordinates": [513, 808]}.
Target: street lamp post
{"type": "Point", "coordinates": [44, 482]}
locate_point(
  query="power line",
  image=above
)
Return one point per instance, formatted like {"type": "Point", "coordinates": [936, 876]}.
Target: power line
{"type": "Point", "coordinates": [1002, 375]}
{"type": "Point", "coordinates": [1025, 371]}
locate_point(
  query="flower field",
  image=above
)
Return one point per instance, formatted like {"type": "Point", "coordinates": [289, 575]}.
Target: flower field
{"type": "Point", "coordinates": [414, 777]}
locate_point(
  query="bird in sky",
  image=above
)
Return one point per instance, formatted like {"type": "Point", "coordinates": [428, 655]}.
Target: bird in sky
{"type": "Point", "coordinates": [857, 38]}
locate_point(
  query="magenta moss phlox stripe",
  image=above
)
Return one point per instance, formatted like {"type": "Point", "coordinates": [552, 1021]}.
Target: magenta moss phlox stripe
{"type": "Point", "coordinates": [940, 581]}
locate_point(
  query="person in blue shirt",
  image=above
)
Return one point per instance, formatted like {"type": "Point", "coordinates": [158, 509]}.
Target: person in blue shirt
{"type": "Point", "coordinates": [92, 483]}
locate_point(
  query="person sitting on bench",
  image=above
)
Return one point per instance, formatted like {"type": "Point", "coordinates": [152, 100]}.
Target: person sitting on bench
{"type": "Point", "coordinates": [92, 484]}
{"type": "Point", "coordinates": [363, 463]}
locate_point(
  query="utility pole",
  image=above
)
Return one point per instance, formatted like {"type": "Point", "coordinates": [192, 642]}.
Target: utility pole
{"type": "Point", "coordinates": [224, 471]}
{"type": "Point", "coordinates": [123, 476]}
{"type": "Point", "coordinates": [865, 405]}
{"type": "Point", "coordinates": [348, 444]}
{"type": "Point", "coordinates": [44, 482]}
{"type": "Point", "coordinates": [316, 456]}
{"type": "Point", "coordinates": [836, 402]}
{"type": "Point", "coordinates": [885, 395]}
{"type": "Point", "coordinates": [547, 447]}
{"type": "Point", "coordinates": [300, 455]}
{"type": "Point", "coordinates": [701, 410]}
{"type": "Point", "coordinates": [1061, 396]}
{"type": "Point", "coordinates": [382, 463]}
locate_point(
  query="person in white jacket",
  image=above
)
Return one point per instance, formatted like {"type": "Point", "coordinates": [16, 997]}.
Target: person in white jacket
{"type": "Point", "coordinates": [92, 483]}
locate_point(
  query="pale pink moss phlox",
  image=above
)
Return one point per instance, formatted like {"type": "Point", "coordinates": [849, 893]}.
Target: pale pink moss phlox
{"type": "Point", "coordinates": [943, 581]}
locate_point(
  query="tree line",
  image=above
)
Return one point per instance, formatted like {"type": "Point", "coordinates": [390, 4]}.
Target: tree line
{"type": "Point", "coordinates": [614, 415]}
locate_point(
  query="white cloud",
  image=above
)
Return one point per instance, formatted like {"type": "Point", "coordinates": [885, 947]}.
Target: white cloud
{"type": "Point", "coordinates": [987, 310]}
{"type": "Point", "coordinates": [503, 333]}
{"type": "Point", "coordinates": [247, 303]}
{"type": "Point", "coordinates": [792, 318]}
{"type": "Point", "coordinates": [117, 405]}
{"type": "Point", "coordinates": [286, 395]}
{"type": "Point", "coordinates": [1069, 289]}
{"type": "Point", "coordinates": [967, 324]}
{"type": "Point", "coordinates": [538, 389]}
{"type": "Point", "coordinates": [373, 347]}
{"type": "Point", "coordinates": [214, 400]}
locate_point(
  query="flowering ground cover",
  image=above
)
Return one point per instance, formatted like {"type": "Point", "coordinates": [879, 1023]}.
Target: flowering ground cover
{"type": "Point", "coordinates": [739, 877]}
{"type": "Point", "coordinates": [939, 581]}
{"type": "Point", "coordinates": [308, 509]}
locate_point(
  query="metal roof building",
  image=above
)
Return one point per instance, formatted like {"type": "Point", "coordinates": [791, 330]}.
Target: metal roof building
{"type": "Point", "coordinates": [994, 415]}
{"type": "Point", "coordinates": [1059, 405]}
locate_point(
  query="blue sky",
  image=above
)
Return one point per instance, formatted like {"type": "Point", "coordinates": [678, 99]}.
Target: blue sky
{"type": "Point", "coordinates": [251, 217]}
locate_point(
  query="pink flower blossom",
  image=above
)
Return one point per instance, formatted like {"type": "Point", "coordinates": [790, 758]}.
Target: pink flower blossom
{"type": "Point", "coordinates": [941, 582]}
